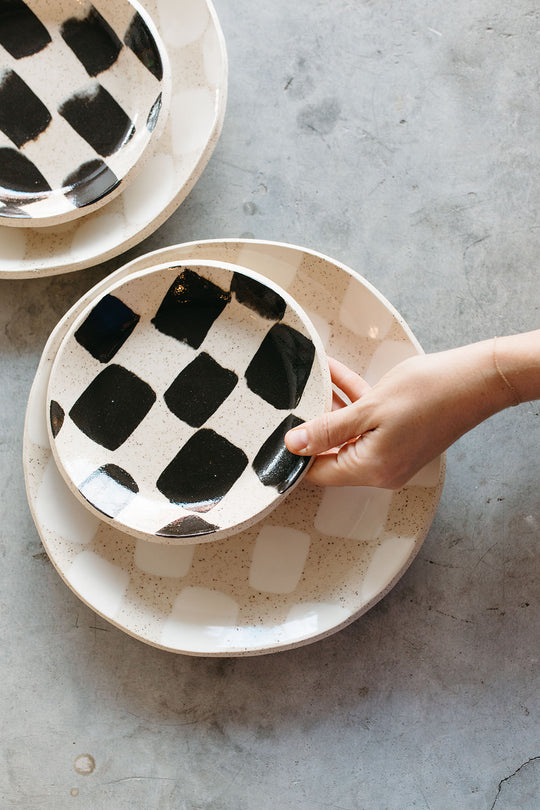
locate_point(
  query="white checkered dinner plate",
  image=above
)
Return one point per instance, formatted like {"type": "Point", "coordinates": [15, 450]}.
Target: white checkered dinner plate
{"type": "Point", "coordinates": [313, 565]}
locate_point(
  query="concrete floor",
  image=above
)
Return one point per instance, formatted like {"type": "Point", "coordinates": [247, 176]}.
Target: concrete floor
{"type": "Point", "coordinates": [401, 138]}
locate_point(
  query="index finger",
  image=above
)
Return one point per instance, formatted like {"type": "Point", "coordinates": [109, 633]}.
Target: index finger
{"type": "Point", "coordinates": [347, 380]}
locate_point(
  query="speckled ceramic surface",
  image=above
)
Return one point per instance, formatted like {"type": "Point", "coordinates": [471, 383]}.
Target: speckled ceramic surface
{"type": "Point", "coordinates": [170, 397]}
{"type": "Point", "coordinates": [84, 88]}
{"type": "Point", "coordinates": [196, 51]}
{"type": "Point", "coordinates": [317, 562]}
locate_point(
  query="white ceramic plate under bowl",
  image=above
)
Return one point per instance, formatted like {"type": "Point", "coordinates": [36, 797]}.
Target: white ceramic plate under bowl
{"type": "Point", "coordinates": [84, 91]}
{"type": "Point", "coordinates": [197, 56]}
{"type": "Point", "coordinates": [316, 563]}
{"type": "Point", "coordinates": [171, 394]}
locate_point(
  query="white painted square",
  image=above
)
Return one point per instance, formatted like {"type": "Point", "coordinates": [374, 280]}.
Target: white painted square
{"type": "Point", "coordinates": [279, 556]}
{"type": "Point", "coordinates": [201, 620]}
{"type": "Point", "coordinates": [386, 564]}
{"type": "Point", "coordinates": [163, 561]}
{"type": "Point", "coordinates": [322, 327]}
{"type": "Point", "coordinates": [386, 356]}
{"type": "Point", "coordinates": [98, 582]}
{"type": "Point", "coordinates": [364, 314]}
{"type": "Point", "coordinates": [357, 513]}
{"type": "Point", "coordinates": [278, 267]}
{"type": "Point", "coordinates": [179, 28]}
{"type": "Point", "coordinates": [192, 104]}
{"type": "Point", "coordinates": [59, 511]}
{"type": "Point", "coordinates": [311, 618]}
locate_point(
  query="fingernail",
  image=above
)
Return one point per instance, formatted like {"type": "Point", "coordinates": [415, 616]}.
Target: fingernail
{"type": "Point", "coordinates": [297, 440]}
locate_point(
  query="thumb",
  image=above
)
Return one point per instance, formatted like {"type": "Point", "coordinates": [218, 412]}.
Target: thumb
{"type": "Point", "coordinates": [324, 432]}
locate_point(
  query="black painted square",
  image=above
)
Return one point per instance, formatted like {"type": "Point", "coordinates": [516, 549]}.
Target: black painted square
{"type": "Point", "coordinates": [92, 40]}
{"type": "Point", "coordinates": [21, 32]}
{"type": "Point", "coordinates": [258, 297]}
{"type": "Point", "coordinates": [202, 473]}
{"type": "Point", "coordinates": [153, 115]}
{"type": "Point", "coordinates": [18, 173]}
{"type": "Point", "coordinates": [190, 307]}
{"type": "Point", "coordinates": [280, 369]}
{"type": "Point", "coordinates": [89, 182]}
{"type": "Point", "coordinates": [107, 328]}
{"type": "Point", "coordinates": [112, 406]}
{"type": "Point", "coordinates": [199, 390]}
{"type": "Point", "coordinates": [187, 526]}
{"type": "Point", "coordinates": [274, 464]}
{"type": "Point", "coordinates": [98, 118]}
{"type": "Point", "coordinates": [143, 45]}
{"type": "Point", "coordinates": [56, 416]}
{"type": "Point", "coordinates": [23, 116]}
{"type": "Point", "coordinates": [109, 489]}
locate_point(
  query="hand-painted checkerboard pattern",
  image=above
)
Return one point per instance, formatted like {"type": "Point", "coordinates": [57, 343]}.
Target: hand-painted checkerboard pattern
{"type": "Point", "coordinates": [79, 98]}
{"type": "Point", "coordinates": [211, 375]}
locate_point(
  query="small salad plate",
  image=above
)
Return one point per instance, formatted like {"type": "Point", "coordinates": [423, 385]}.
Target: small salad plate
{"type": "Point", "coordinates": [317, 562]}
{"type": "Point", "coordinates": [84, 95]}
{"type": "Point", "coordinates": [170, 397]}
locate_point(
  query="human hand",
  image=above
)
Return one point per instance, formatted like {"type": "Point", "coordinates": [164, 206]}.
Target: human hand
{"type": "Point", "coordinates": [414, 413]}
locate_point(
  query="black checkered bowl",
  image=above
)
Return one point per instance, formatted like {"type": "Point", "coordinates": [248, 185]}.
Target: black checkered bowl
{"type": "Point", "coordinates": [171, 394]}
{"type": "Point", "coordinates": [84, 94]}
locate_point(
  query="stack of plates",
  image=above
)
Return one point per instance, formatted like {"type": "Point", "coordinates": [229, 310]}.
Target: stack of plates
{"type": "Point", "coordinates": [109, 111]}
{"type": "Point", "coordinates": [218, 577]}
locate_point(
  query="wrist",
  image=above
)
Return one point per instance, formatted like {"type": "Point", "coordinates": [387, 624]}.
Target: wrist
{"type": "Point", "coordinates": [518, 357]}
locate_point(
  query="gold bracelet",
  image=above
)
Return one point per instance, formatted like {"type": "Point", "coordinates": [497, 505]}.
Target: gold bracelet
{"type": "Point", "coordinates": [502, 375]}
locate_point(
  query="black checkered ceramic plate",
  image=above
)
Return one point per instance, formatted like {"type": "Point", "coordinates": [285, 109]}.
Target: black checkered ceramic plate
{"type": "Point", "coordinates": [170, 397]}
{"type": "Point", "coordinates": [84, 89]}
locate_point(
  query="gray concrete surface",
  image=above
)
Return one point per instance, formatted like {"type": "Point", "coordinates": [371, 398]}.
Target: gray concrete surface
{"type": "Point", "coordinates": [403, 139]}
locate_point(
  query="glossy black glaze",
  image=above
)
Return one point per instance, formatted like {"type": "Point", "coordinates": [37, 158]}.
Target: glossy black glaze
{"type": "Point", "coordinates": [56, 416]}
{"type": "Point", "coordinates": [143, 45]}
{"type": "Point", "coordinates": [89, 182]}
{"type": "Point", "coordinates": [23, 116]}
{"type": "Point", "coordinates": [107, 328]}
{"type": "Point", "coordinates": [18, 173]}
{"type": "Point", "coordinates": [251, 293]}
{"type": "Point", "coordinates": [112, 406]}
{"type": "Point", "coordinates": [190, 307]}
{"type": "Point", "coordinates": [153, 115]}
{"type": "Point", "coordinates": [21, 32]}
{"type": "Point", "coordinates": [199, 390]}
{"type": "Point", "coordinates": [92, 40]}
{"type": "Point", "coordinates": [280, 369]}
{"type": "Point", "coordinates": [109, 489]}
{"type": "Point", "coordinates": [274, 464]}
{"type": "Point", "coordinates": [98, 118]}
{"type": "Point", "coordinates": [202, 472]}
{"type": "Point", "coordinates": [188, 526]}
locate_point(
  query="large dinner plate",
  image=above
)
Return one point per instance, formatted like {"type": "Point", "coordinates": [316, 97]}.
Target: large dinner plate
{"type": "Point", "coordinates": [316, 563]}
{"type": "Point", "coordinates": [196, 50]}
